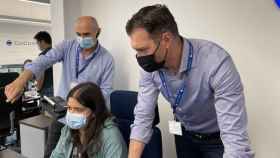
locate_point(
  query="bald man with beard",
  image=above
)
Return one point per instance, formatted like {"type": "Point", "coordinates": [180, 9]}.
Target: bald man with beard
{"type": "Point", "coordinates": [83, 59]}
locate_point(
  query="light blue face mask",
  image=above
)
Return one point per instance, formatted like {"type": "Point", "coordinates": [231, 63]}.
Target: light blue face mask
{"type": "Point", "coordinates": [75, 121]}
{"type": "Point", "coordinates": [86, 42]}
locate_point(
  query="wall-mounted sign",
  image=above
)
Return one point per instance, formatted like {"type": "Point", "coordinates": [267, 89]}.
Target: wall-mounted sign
{"type": "Point", "coordinates": [20, 43]}
{"type": "Point", "coordinates": [14, 49]}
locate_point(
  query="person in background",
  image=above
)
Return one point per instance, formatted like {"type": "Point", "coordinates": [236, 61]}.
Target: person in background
{"type": "Point", "coordinates": [89, 131]}
{"type": "Point", "coordinates": [45, 82]}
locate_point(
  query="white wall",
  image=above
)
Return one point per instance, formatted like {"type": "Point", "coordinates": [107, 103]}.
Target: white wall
{"type": "Point", "coordinates": [23, 45]}
{"type": "Point", "coordinates": [249, 30]}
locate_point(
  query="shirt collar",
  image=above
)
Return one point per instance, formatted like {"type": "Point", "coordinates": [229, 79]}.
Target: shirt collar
{"type": "Point", "coordinates": [185, 54]}
{"type": "Point", "coordinates": [45, 51]}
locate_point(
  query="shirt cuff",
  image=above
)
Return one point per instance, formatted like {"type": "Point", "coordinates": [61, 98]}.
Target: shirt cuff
{"type": "Point", "coordinates": [141, 134]}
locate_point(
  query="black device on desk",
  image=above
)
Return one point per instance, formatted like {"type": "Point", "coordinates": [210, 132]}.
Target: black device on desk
{"type": "Point", "coordinates": [55, 106]}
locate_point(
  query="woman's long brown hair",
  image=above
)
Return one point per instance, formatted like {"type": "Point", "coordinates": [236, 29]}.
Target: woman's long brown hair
{"type": "Point", "coordinates": [89, 95]}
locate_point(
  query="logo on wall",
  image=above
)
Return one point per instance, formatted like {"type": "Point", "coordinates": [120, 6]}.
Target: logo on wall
{"type": "Point", "coordinates": [277, 3]}
{"type": "Point", "coordinates": [20, 43]}
{"type": "Point", "coordinates": [9, 42]}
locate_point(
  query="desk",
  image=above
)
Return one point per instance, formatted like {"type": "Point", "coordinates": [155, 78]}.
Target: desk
{"type": "Point", "coordinates": [10, 154]}
{"type": "Point", "coordinates": [33, 135]}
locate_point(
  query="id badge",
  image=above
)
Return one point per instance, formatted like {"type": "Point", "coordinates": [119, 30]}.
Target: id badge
{"type": "Point", "coordinates": [73, 84]}
{"type": "Point", "coordinates": [175, 128]}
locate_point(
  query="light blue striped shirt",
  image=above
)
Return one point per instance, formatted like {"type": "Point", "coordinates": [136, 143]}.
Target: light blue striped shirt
{"type": "Point", "coordinates": [100, 69]}
{"type": "Point", "coordinates": [213, 101]}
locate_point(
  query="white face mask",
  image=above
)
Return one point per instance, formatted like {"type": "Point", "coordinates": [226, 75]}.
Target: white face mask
{"type": "Point", "coordinates": [86, 42]}
{"type": "Point", "coordinates": [75, 121]}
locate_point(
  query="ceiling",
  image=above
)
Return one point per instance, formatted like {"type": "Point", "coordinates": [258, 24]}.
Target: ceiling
{"type": "Point", "coordinates": [26, 10]}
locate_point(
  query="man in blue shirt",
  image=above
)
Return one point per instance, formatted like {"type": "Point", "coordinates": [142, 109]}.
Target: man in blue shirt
{"type": "Point", "coordinates": [83, 59]}
{"type": "Point", "coordinates": [45, 84]}
{"type": "Point", "coordinates": [198, 78]}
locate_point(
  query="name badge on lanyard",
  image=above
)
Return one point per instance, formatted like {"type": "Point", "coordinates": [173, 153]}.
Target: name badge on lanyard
{"type": "Point", "coordinates": [175, 126]}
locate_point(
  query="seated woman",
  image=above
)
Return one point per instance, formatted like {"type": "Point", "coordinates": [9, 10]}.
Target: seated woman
{"type": "Point", "coordinates": [89, 131]}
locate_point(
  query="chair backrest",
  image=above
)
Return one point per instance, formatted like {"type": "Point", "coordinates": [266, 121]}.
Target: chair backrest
{"type": "Point", "coordinates": [122, 107]}
{"type": "Point", "coordinates": [6, 108]}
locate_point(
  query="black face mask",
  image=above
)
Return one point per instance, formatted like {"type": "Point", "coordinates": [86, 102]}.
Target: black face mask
{"type": "Point", "coordinates": [148, 62]}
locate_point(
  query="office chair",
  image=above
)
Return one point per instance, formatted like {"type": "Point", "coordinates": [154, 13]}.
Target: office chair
{"type": "Point", "coordinates": [122, 107]}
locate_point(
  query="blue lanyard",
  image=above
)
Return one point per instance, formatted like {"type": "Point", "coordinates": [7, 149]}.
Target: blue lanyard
{"type": "Point", "coordinates": [78, 72]}
{"type": "Point", "coordinates": [181, 90]}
